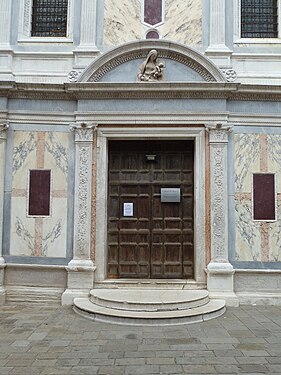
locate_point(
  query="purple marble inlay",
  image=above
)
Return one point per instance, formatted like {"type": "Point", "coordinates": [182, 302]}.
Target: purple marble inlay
{"type": "Point", "coordinates": [152, 11]}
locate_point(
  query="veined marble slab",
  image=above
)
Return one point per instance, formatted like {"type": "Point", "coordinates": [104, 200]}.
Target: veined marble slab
{"type": "Point", "coordinates": [256, 240]}
{"type": "Point", "coordinates": [182, 22]}
{"type": "Point", "coordinates": [39, 236]}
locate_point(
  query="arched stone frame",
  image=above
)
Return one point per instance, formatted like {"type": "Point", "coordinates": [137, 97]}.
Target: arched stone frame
{"type": "Point", "coordinates": [160, 133]}
{"type": "Point", "coordinates": [139, 50]}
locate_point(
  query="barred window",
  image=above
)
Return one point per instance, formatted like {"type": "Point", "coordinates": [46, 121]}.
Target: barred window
{"type": "Point", "coordinates": [259, 19]}
{"type": "Point", "coordinates": [49, 18]}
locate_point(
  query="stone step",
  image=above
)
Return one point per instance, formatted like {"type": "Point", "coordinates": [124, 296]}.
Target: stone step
{"type": "Point", "coordinates": [136, 306]}
{"type": "Point", "coordinates": [85, 308]}
{"type": "Point", "coordinates": [150, 284]}
{"type": "Point", "coordinates": [135, 299]}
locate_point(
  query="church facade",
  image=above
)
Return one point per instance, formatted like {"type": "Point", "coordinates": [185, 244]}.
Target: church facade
{"type": "Point", "coordinates": [140, 145]}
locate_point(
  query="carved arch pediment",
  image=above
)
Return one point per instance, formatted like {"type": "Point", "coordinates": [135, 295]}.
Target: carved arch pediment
{"type": "Point", "coordinates": [121, 64]}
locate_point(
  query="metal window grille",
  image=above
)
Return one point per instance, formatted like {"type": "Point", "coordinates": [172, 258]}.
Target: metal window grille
{"type": "Point", "coordinates": [49, 18]}
{"type": "Point", "coordinates": [259, 19]}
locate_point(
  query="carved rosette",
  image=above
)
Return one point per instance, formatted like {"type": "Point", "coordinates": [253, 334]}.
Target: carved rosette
{"type": "Point", "coordinates": [3, 131]}
{"type": "Point", "coordinates": [218, 138]}
{"type": "Point", "coordinates": [83, 189]}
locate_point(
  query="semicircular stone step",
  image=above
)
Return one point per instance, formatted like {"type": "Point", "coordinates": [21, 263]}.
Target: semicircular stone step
{"type": "Point", "coordinates": [149, 299]}
{"type": "Point", "coordinates": [87, 309]}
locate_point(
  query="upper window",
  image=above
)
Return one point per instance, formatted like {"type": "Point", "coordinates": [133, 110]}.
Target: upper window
{"type": "Point", "coordinates": [259, 19]}
{"type": "Point", "coordinates": [49, 18]}
{"type": "Point", "coordinates": [46, 21]}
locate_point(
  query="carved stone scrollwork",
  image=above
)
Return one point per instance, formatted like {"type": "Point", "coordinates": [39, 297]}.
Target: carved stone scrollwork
{"type": "Point", "coordinates": [83, 131]}
{"type": "Point", "coordinates": [3, 131]}
{"type": "Point", "coordinates": [218, 133]}
{"type": "Point", "coordinates": [73, 75]}
{"type": "Point", "coordinates": [230, 75]}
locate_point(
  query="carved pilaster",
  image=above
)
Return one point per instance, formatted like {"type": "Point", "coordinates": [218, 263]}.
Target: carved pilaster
{"type": "Point", "coordinates": [3, 137]}
{"type": "Point", "coordinates": [217, 27]}
{"type": "Point", "coordinates": [5, 18]}
{"type": "Point", "coordinates": [88, 33]}
{"type": "Point", "coordinates": [81, 268]}
{"type": "Point", "coordinates": [219, 270]}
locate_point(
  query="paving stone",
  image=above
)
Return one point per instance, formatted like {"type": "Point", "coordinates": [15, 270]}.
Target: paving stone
{"type": "Point", "coordinates": [112, 370]}
{"type": "Point", "coordinates": [57, 341]}
{"type": "Point", "coordinates": [85, 370]}
{"type": "Point", "coordinates": [143, 370]}
{"type": "Point", "coordinates": [254, 368]}
{"type": "Point", "coordinates": [199, 369]}
{"type": "Point", "coordinates": [56, 371]}
{"type": "Point", "coordinates": [274, 368]}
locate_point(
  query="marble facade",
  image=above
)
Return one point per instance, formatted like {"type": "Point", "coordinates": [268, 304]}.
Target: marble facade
{"type": "Point", "coordinates": [256, 240]}
{"type": "Point", "coordinates": [39, 236]}
{"type": "Point", "coordinates": [122, 22]}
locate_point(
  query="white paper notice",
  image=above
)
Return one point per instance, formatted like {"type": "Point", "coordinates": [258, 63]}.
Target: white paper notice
{"type": "Point", "coordinates": [128, 209]}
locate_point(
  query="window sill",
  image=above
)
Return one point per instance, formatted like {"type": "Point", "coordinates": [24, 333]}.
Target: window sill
{"type": "Point", "coordinates": [258, 41]}
{"type": "Point", "coordinates": [45, 40]}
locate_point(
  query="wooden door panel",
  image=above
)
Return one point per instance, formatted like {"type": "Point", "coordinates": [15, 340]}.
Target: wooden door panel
{"type": "Point", "coordinates": [157, 242]}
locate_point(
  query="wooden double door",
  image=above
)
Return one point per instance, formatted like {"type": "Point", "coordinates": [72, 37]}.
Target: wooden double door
{"type": "Point", "coordinates": [150, 209]}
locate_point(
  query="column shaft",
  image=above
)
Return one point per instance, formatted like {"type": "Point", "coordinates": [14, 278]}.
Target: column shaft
{"type": "Point", "coordinates": [3, 138]}
{"type": "Point", "coordinates": [219, 270]}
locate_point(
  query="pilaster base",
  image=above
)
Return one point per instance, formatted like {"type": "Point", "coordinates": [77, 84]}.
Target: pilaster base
{"type": "Point", "coordinates": [220, 282]}
{"type": "Point", "coordinates": [80, 280]}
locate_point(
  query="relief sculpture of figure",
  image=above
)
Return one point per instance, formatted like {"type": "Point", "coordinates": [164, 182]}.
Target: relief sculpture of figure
{"type": "Point", "coordinates": [150, 71]}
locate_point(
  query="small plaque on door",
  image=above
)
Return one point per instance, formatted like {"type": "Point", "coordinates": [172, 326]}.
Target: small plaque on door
{"type": "Point", "coordinates": [128, 209]}
{"type": "Point", "coordinates": [172, 195]}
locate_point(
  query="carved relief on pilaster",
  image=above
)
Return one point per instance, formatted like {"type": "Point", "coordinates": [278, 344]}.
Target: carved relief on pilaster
{"type": "Point", "coordinates": [3, 131]}
{"type": "Point", "coordinates": [218, 138]}
{"type": "Point", "coordinates": [83, 188]}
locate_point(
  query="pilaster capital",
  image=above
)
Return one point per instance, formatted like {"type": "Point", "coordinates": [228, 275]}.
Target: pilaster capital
{"type": "Point", "coordinates": [218, 132]}
{"type": "Point", "coordinates": [84, 131]}
{"type": "Point", "coordinates": [3, 130]}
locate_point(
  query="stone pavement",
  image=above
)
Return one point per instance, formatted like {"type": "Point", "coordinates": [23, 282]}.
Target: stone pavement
{"type": "Point", "coordinates": [50, 340]}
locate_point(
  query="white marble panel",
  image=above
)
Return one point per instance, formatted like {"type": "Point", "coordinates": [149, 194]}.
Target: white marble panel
{"type": "Point", "coordinates": [122, 21]}
{"type": "Point", "coordinates": [247, 160]}
{"type": "Point", "coordinates": [56, 158]}
{"type": "Point", "coordinates": [182, 23]}
{"type": "Point", "coordinates": [274, 159]}
{"type": "Point", "coordinates": [248, 240]}
{"type": "Point", "coordinates": [274, 237]}
{"type": "Point", "coordinates": [24, 157]}
{"type": "Point", "coordinates": [22, 239]}
{"type": "Point", "coordinates": [54, 230]}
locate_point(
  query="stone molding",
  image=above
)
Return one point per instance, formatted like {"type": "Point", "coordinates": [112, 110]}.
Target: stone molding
{"type": "Point", "coordinates": [163, 90]}
{"type": "Point", "coordinates": [3, 131]}
{"type": "Point", "coordinates": [139, 50]}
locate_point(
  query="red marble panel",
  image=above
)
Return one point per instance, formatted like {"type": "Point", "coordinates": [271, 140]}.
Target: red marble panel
{"type": "Point", "coordinates": [152, 11]}
{"type": "Point", "coordinates": [264, 196]}
{"type": "Point", "coordinates": [39, 192]}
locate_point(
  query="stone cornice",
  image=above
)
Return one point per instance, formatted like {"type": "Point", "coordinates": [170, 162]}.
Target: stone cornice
{"type": "Point", "coordinates": [163, 90]}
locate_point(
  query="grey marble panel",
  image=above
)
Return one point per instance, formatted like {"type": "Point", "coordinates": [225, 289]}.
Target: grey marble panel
{"type": "Point", "coordinates": [253, 107]}
{"type": "Point", "coordinates": [42, 105]}
{"type": "Point", "coordinates": [153, 106]}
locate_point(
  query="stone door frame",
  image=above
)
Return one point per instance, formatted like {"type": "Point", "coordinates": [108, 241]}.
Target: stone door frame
{"type": "Point", "coordinates": [105, 133]}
